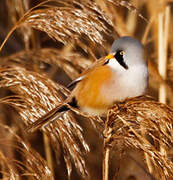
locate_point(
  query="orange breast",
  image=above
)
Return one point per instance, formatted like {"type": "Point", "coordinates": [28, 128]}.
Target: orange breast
{"type": "Point", "coordinates": [88, 91]}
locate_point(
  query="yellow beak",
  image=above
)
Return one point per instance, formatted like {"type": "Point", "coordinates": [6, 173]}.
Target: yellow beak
{"type": "Point", "coordinates": [110, 56]}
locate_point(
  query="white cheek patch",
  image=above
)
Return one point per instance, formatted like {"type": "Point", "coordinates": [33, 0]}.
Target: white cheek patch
{"type": "Point", "coordinates": [113, 63]}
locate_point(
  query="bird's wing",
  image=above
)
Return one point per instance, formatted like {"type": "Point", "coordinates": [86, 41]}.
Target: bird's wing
{"type": "Point", "coordinates": [74, 82]}
{"type": "Point", "coordinates": [97, 63]}
{"type": "Point", "coordinates": [55, 113]}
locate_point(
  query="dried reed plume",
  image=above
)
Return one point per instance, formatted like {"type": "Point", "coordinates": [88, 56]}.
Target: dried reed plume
{"type": "Point", "coordinates": [86, 30]}
{"type": "Point", "coordinates": [37, 59]}
{"type": "Point", "coordinates": [68, 21]}
{"type": "Point", "coordinates": [32, 165]}
{"type": "Point", "coordinates": [144, 124]}
{"type": "Point", "coordinates": [63, 23]}
{"type": "Point", "coordinates": [36, 95]}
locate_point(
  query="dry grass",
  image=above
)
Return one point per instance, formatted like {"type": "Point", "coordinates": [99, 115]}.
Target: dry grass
{"type": "Point", "coordinates": [36, 95]}
{"type": "Point", "coordinates": [33, 79]}
{"type": "Point", "coordinates": [31, 164]}
{"type": "Point", "coordinates": [38, 59]}
{"type": "Point", "coordinates": [145, 124]}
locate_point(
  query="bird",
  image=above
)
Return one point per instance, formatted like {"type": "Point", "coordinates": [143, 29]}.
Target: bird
{"type": "Point", "coordinates": [122, 74]}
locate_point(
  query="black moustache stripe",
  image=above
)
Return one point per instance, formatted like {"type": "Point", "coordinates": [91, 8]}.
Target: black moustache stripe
{"type": "Point", "coordinates": [120, 60]}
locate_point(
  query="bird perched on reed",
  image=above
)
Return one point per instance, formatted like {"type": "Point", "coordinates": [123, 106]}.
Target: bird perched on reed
{"type": "Point", "coordinates": [120, 75]}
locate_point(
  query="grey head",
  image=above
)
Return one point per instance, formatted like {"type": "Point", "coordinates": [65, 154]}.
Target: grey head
{"type": "Point", "coordinates": [126, 60]}
{"type": "Point", "coordinates": [128, 51]}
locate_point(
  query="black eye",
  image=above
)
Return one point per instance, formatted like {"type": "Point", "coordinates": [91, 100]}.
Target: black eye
{"type": "Point", "coordinates": [119, 57]}
{"type": "Point", "coordinates": [122, 53]}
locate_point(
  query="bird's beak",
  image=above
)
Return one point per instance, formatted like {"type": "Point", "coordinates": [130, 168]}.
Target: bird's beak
{"type": "Point", "coordinates": [110, 56]}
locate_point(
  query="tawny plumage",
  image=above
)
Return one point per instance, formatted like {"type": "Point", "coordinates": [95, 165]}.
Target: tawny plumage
{"type": "Point", "coordinates": [88, 92]}
{"type": "Point", "coordinates": [120, 75]}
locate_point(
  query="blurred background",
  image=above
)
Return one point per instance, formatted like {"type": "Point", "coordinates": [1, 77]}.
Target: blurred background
{"type": "Point", "coordinates": [51, 43]}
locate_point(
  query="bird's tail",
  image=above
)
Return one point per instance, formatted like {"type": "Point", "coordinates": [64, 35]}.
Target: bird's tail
{"type": "Point", "coordinates": [51, 116]}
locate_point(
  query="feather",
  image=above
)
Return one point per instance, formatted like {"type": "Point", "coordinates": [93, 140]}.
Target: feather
{"type": "Point", "coordinates": [52, 115]}
{"type": "Point", "coordinates": [82, 76]}
{"type": "Point", "coordinates": [49, 117]}
{"type": "Point", "coordinates": [58, 111]}
{"type": "Point", "coordinates": [74, 82]}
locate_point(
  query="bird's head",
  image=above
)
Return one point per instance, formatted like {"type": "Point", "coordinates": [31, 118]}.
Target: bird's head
{"type": "Point", "coordinates": [126, 52]}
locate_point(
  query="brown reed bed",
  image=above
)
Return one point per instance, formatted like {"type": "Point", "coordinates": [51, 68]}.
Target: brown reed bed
{"type": "Point", "coordinates": [54, 41]}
